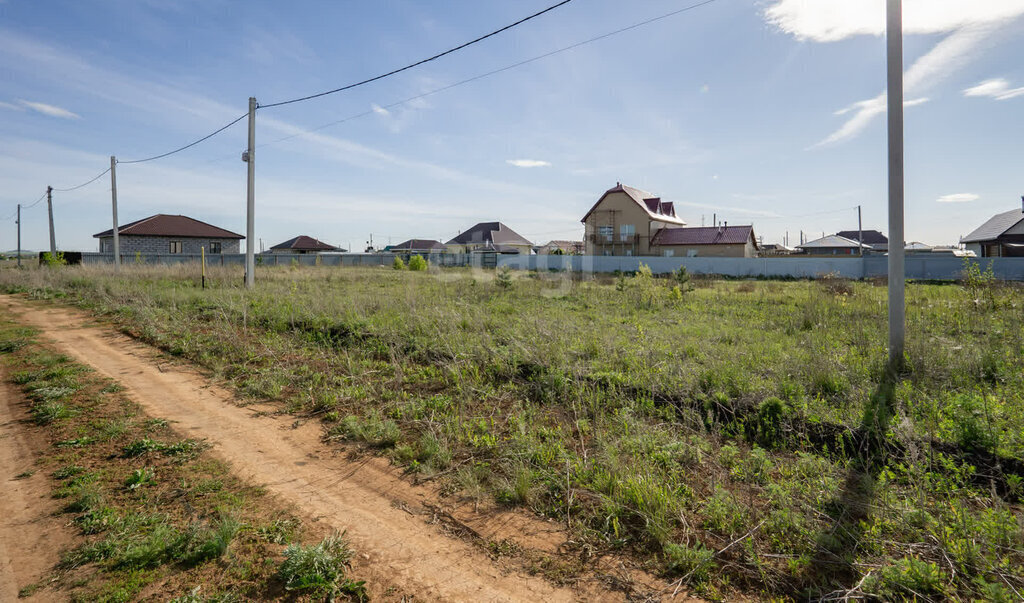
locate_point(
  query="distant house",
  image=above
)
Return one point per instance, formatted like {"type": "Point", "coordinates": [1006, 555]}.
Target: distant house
{"type": "Point", "coordinates": [1001, 236]}
{"type": "Point", "coordinates": [776, 249]}
{"type": "Point", "coordinates": [561, 248]}
{"type": "Point", "coordinates": [832, 245]}
{"type": "Point", "coordinates": [490, 236]}
{"type": "Point", "coordinates": [303, 244]}
{"type": "Point", "coordinates": [874, 238]}
{"type": "Point", "coordinates": [625, 219]}
{"type": "Point", "coordinates": [418, 246]}
{"type": "Point", "coordinates": [705, 241]}
{"type": "Point", "coordinates": [169, 234]}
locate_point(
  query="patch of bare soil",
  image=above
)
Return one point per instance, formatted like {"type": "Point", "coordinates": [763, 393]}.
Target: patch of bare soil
{"type": "Point", "coordinates": [31, 534]}
{"type": "Point", "coordinates": [412, 543]}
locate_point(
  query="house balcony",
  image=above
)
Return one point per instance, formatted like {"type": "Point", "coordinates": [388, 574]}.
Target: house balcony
{"type": "Point", "coordinates": [621, 239]}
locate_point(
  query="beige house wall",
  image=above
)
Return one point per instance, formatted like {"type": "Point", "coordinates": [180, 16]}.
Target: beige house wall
{"type": "Point", "coordinates": [615, 210]}
{"type": "Point", "coordinates": [709, 251]}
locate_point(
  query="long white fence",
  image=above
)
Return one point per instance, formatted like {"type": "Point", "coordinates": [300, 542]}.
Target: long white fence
{"type": "Point", "coordinates": [921, 267]}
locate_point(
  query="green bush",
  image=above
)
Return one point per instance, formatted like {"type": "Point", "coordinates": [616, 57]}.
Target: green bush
{"type": "Point", "coordinates": [908, 579]}
{"type": "Point", "coordinates": [320, 570]}
{"type": "Point", "coordinates": [56, 259]}
{"type": "Point", "coordinates": [398, 264]}
{"type": "Point", "coordinates": [693, 563]}
{"type": "Point", "coordinates": [771, 416]}
{"type": "Point", "coordinates": [417, 263]}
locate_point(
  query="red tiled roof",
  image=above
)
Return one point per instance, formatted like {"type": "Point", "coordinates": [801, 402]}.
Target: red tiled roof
{"type": "Point", "coordinates": [704, 235]}
{"type": "Point", "coordinates": [304, 243]}
{"type": "Point", "coordinates": [164, 225]}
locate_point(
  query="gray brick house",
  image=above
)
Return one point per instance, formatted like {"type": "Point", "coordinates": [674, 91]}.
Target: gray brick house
{"type": "Point", "coordinates": [166, 234]}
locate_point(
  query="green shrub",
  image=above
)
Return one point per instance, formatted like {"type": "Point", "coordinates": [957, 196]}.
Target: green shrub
{"type": "Point", "coordinates": [908, 579]}
{"type": "Point", "coordinates": [398, 264]}
{"type": "Point", "coordinates": [56, 259]}
{"type": "Point", "coordinates": [504, 277]}
{"type": "Point", "coordinates": [139, 478]}
{"type": "Point", "coordinates": [320, 570]}
{"type": "Point", "coordinates": [772, 414]}
{"type": "Point", "coordinates": [417, 263]}
{"type": "Point", "coordinates": [692, 563]}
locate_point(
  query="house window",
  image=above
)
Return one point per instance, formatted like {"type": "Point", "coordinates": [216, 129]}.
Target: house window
{"type": "Point", "coordinates": [670, 252]}
{"type": "Point", "coordinates": [175, 246]}
{"type": "Point", "coordinates": [626, 232]}
{"type": "Point", "coordinates": [214, 247]}
{"type": "Point", "coordinates": [606, 233]}
{"type": "Point", "coordinates": [629, 252]}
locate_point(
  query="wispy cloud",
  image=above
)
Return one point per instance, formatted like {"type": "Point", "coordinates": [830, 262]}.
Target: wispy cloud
{"type": "Point", "coordinates": [969, 25]}
{"type": "Point", "coordinates": [997, 88]}
{"type": "Point", "coordinates": [10, 106]}
{"type": "Point", "coordinates": [528, 163]}
{"type": "Point", "coordinates": [958, 198]}
{"type": "Point", "coordinates": [51, 110]}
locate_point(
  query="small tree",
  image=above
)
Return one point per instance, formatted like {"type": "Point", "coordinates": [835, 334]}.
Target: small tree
{"type": "Point", "coordinates": [398, 264]}
{"type": "Point", "coordinates": [55, 259]}
{"type": "Point", "coordinates": [504, 277]}
{"type": "Point", "coordinates": [417, 263]}
{"type": "Point", "coordinates": [682, 277]}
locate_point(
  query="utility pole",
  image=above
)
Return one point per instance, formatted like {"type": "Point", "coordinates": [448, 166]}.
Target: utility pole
{"type": "Point", "coordinates": [18, 222]}
{"type": "Point", "coordinates": [250, 200]}
{"type": "Point", "coordinates": [894, 95]}
{"type": "Point", "coordinates": [113, 203]}
{"type": "Point", "coordinates": [860, 233]}
{"type": "Point", "coordinates": [49, 208]}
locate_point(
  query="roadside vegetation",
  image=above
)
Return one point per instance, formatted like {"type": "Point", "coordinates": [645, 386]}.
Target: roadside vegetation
{"type": "Point", "coordinates": [734, 436]}
{"type": "Point", "coordinates": [157, 518]}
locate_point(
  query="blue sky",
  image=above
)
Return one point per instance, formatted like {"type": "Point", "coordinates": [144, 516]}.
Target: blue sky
{"type": "Point", "coordinates": [769, 111]}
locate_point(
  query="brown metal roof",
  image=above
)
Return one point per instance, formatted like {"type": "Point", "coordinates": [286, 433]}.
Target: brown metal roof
{"type": "Point", "coordinates": [490, 232]}
{"type": "Point", "coordinates": [419, 245]}
{"type": "Point", "coordinates": [662, 211]}
{"type": "Point", "coordinates": [164, 225]}
{"type": "Point", "coordinates": [304, 243]}
{"type": "Point", "coordinates": [704, 235]}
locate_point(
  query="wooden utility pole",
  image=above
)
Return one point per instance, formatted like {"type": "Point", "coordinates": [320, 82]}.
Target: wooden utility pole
{"type": "Point", "coordinates": [894, 96]}
{"type": "Point", "coordinates": [113, 203]}
{"type": "Point", "coordinates": [49, 209]}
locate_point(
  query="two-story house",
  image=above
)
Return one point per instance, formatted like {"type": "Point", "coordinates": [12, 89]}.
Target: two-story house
{"type": "Point", "coordinates": [625, 219]}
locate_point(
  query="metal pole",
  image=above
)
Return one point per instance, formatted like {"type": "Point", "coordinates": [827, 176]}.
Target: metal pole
{"type": "Point", "coordinates": [250, 198]}
{"type": "Point", "coordinates": [860, 233]}
{"type": "Point", "coordinates": [49, 208]}
{"type": "Point", "coordinates": [18, 222]}
{"type": "Point", "coordinates": [897, 283]}
{"type": "Point", "coordinates": [113, 203]}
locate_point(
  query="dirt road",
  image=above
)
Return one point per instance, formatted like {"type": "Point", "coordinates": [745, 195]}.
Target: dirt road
{"type": "Point", "coordinates": [383, 514]}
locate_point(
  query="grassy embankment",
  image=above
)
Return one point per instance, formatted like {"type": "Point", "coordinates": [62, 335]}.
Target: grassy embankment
{"type": "Point", "coordinates": [739, 436]}
{"type": "Point", "coordinates": [156, 517]}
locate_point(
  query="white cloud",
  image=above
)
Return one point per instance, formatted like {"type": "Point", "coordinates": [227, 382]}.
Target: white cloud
{"type": "Point", "coordinates": [949, 55]}
{"type": "Point", "coordinates": [969, 25]}
{"type": "Point", "coordinates": [958, 198]}
{"type": "Point", "coordinates": [997, 88]}
{"type": "Point", "coordinates": [11, 106]}
{"type": "Point", "coordinates": [380, 110]}
{"type": "Point", "coordinates": [833, 20]}
{"type": "Point", "coordinates": [51, 110]}
{"type": "Point", "coordinates": [528, 163]}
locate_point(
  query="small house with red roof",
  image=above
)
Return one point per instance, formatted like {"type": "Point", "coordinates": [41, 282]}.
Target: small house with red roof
{"type": "Point", "coordinates": [625, 220]}
{"type": "Point", "coordinates": [303, 244]}
{"type": "Point", "coordinates": [706, 241]}
{"type": "Point", "coordinates": [169, 234]}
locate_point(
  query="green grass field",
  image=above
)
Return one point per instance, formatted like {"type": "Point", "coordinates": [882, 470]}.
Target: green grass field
{"type": "Point", "coordinates": [737, 436]}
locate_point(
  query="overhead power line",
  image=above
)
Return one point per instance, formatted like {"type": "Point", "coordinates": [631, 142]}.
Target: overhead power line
{"type": "Point", "coordinates": [34, 203]}
{"type": "Point", "coordinates": [74, 188]}
{"type": "Point", "coordinates": [420, 62]}
{"type": "Point", "coordinates": [493, 71]}
{"type": "Point", "coordinates": [191, 144]}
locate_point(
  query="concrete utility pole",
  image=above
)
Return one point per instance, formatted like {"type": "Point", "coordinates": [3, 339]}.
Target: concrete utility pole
{"type": "Point", "coordinates": [250, 200]}
{"type": "Point", "coordinates": [18, 222]}
{"type": "Point", "coordinates": [49, 208]}
{"type": "Point", "coordinates": [113, 204]}
{"type": "Point", "coordinates": [894, 94]}
{"type": "Point", "coordinates": [860, 233]}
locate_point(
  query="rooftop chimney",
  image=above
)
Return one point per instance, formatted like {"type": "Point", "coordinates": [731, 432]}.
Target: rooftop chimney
{"type": "Point", "coordinates": [1022, 202]}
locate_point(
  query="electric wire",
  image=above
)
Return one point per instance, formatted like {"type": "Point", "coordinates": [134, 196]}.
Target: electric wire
{"type": "Point", "coordinates": [492, 72]}
{"type": "Point", "coordinates": [417, 63]}
{"type": "Point", "coordinates": [189, 145]}
{"type": "Point", "coordinates": [34, 203]}
{"type": "Point", "coordinates": [74, 188]}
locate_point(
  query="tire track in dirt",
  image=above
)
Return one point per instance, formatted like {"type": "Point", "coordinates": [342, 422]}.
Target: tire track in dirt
{"type": "Point", "coordinates": [31, 535]}
{"type": "Point", "coordinates": [398, 553]}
